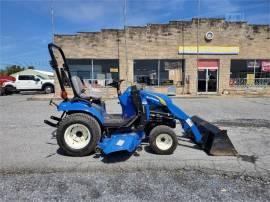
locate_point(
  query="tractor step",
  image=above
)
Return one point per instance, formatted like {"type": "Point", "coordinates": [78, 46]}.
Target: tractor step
{"type": "Point", "coordinates": [51, 123]}
{"type": "Point", "coordinates": [214, 140]}
{"type": "Point", "coordinates": [55, 118]}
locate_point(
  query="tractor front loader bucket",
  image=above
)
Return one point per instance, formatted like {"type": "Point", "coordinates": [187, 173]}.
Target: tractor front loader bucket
{"type": "Point", "coordinates": [214, 140]}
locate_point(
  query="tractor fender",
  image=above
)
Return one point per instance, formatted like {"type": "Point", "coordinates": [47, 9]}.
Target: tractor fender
{"type": "Point", "coordinates": [82, 107]}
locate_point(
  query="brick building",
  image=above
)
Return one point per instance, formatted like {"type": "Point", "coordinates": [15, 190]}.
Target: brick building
{"type": "Point", "coordinates": [198, 56]}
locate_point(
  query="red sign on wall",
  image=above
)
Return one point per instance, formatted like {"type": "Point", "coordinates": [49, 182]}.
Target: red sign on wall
{"type": "Point", "coordinates": [208, 64]}
{"type": "Point", "coordinates": [266, 66]}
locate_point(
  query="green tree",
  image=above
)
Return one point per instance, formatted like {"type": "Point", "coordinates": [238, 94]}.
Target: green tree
{"type": "Point", "coordinates": [2, 72]}
{"type": "Point", "coordinates": [11, 70]}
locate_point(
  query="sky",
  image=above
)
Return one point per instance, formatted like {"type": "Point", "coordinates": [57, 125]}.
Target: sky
{"type": "Point", "coordinates": [26, 25]}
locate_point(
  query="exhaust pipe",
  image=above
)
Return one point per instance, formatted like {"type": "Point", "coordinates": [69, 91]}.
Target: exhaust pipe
{"type": "Point", "coordinates": [214, 140]}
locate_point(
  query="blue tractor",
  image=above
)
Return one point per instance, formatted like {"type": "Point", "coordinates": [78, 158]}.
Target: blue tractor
{"type": "Point", "coordinates": [85, 127]}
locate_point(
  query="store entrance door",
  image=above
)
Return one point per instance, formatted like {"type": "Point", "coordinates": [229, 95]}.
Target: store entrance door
{"type": "Point", "coordinates": [207, 76]}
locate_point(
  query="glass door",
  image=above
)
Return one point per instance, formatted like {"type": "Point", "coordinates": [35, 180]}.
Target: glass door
{"type": "Point", "coordinates": [207, 80]}
{"type": "Point", "coordinates": [211, 80]}
{"type": "Point", "coordinates": [202, 78]}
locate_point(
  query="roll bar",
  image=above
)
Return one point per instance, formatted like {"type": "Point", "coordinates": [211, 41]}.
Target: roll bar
{"type": "Point", "coordinates": [56, 68]}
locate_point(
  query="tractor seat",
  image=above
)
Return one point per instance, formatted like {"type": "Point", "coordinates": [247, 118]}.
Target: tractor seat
{"type": "Point", "coordinates": [80, 91]}
{"type": "Point", "coordinates": [116, 121]}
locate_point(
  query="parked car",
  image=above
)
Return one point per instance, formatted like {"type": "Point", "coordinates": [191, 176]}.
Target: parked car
{"type": "Point", "coordinates": [2, 90]}
{"type": "Point", "coordinates": [29, 83]}
{"type": "Point", "coordinates": [4, 79]}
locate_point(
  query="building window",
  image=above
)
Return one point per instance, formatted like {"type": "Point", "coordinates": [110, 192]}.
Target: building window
{"type": "Point", "coordinates": [99, 71]}
{"type": "Point", "coordinates": [104, 71]}
{"type": "Point", "coordinates": [80, 68]}
{"type": "Point", "coordinates": [159, 72]}
{"type": "Point", "coordinates": [250, 72]}
{"type": "Point", "coordinates": [146, 72]}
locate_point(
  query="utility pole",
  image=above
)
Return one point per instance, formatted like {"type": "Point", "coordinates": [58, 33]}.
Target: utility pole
{"type": "Point", "coordinates": [52, 21]}
{"type": "Point", "coordinates": [198, 21]}
{"type": "Point", "coordinates": [125, 30]}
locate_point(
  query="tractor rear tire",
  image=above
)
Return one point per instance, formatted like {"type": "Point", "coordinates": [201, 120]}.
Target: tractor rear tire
{"type": "Point", "coordinates": [78, 134]}
{"type": "Point", "coordinates": [163, 140]}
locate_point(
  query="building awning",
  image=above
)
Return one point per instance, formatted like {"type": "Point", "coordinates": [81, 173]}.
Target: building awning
{"type": "Point", "coordinates": [209, 50]}
{"type": "Point", "coordinates": [208, 64]}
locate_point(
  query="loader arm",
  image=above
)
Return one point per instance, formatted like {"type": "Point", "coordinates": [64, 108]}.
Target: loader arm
{"type": "Point", "coordinates": [211, 139]}
{"type": "Point", "coordinates": [186, 122]}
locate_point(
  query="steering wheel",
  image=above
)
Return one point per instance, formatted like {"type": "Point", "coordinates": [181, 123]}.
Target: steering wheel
{"type": "Point", "coordinates": [116, 84]}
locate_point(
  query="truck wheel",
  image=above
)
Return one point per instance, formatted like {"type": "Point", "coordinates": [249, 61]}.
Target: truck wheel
{"type": "Point", "coordinates": [163, 140]}
{"type": "Point", "coordinates": [1, 91]}
{"type": "Point", "coordinates": [48, 89]}
{"type": "Point", "coordinates": [10, 90]}
{"type": "Point", "coordinates": [78, 134]}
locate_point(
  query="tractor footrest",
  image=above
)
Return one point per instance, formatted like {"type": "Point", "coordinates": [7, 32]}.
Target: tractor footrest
{"type": "Point", "coordinates": [51, 123]}
{"type": "Point", "coordinates": [214, 140]}
{"type": "Point", "coordinates": [55, 118]}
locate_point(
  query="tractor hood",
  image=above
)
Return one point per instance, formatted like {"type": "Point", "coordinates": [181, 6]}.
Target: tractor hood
{"type": "Point", "coordinates": [156, 98]}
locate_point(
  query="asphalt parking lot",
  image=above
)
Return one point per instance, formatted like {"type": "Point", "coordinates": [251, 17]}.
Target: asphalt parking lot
{"type": "Point", "coordinates": [32, 166]}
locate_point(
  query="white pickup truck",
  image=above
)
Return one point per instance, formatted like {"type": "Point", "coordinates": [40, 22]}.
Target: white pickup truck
{"type": "Point", "coordinates": [29, 83]}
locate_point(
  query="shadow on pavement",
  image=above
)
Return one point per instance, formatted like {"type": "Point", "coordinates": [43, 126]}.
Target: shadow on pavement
{"type": "Point", "coordinates": [31, 92]}
{"type": "Point", "coordinates": [191, 146]}
{"type": "Point", "coordinates": [185, 139]}
{"type": "Point", "coordinates": [148, 149]}
{"type": "Point", "coordinates": [61, 152]}
{"type": "Point", "coordinates": [115, 157]}
{"type": "Point", "coordinates": [53, 134]}
{"type": "Point", "coordinates": [247, 158]}
{"type": "Point", "coordinates": [50, 143]}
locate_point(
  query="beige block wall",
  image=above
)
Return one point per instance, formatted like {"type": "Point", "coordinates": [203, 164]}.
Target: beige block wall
{"type": "Point", "coordinates": [161, 41]}
{"type": "Point", "coordinates": [224, 74]}
{"type": "Point", "coordinates": [191, 73]}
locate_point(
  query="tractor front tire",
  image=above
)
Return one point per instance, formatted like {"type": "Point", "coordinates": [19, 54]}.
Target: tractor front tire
{"type": "Point", "coordinates": [163, 140]}
{"type": "Point", "coordinates": [78, 134]}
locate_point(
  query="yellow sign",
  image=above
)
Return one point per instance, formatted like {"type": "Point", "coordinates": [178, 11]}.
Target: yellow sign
{"type": "Point", "coordinates": [214, 50]}
{"type": "Point", "coordinates": [114, 69]}
{"type": "Point", "coordinates": [250, 79]}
